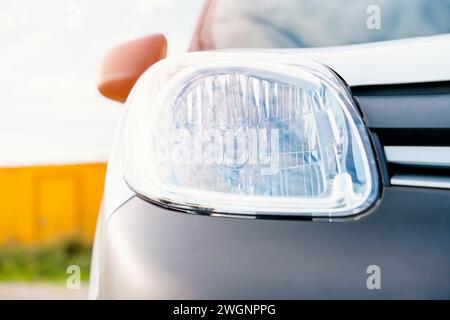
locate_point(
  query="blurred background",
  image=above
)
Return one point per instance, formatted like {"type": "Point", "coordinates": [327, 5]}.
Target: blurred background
{"type": "Point", "coordinates": [56, 130]}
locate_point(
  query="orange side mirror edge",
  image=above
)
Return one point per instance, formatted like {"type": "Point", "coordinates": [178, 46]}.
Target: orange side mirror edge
{"type": "Point", "coordinates": [123, 65]}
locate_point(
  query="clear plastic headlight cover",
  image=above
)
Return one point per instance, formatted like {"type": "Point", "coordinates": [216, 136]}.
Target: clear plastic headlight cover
{"type": "Point", "coordinates": [248, 134]}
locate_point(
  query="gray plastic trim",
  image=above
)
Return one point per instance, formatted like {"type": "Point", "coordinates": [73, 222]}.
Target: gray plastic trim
{"type": "Point", "coordinates": [425, 181]}
{"type": "Point", "coordinates": [422, 156]}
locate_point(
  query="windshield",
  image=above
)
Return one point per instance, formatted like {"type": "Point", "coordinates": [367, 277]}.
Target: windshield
{"type": "Point", "coordinates": [318, 23]}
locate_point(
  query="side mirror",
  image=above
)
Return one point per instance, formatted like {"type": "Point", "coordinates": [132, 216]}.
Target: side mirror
{"type": "Point", "coordinates": [124, 64]}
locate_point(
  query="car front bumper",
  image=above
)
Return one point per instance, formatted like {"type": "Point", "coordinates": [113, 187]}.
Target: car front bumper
{"type": "Point", "coordinates": [151, 252]}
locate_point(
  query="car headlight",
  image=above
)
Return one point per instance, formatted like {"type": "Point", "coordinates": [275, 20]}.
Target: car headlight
{"type": "Point", "coordinates": [253, 134]}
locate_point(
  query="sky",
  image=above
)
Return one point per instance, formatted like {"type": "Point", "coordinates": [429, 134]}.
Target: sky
{"type": "Point", "coordinates": [50, 55]}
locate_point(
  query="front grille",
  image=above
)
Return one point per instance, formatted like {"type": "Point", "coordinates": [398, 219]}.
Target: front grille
{"type": "Point", "coordinates": [411, 125]}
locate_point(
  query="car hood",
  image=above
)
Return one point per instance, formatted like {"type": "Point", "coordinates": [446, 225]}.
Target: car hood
{"type": "Point", "coordinates": [422, 59]}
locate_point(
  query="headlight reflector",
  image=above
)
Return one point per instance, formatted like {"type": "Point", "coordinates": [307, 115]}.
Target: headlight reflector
{"type": "Point", "coordinates": [248, 134]}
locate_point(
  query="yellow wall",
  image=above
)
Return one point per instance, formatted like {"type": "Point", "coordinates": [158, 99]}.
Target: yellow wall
{"type": "Point", "coordinates": [47, 203]}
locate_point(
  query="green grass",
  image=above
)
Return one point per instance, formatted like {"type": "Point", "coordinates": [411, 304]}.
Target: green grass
{"type": "Point", "coordinates": [44, 262]}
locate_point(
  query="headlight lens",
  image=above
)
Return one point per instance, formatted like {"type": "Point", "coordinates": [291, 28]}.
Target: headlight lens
{"type": "Point", "coordinates": [248, 134]}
